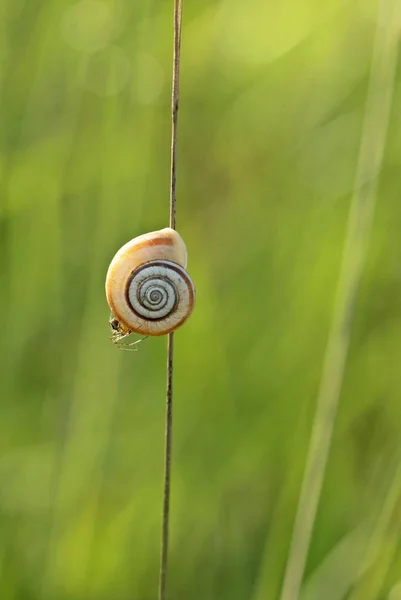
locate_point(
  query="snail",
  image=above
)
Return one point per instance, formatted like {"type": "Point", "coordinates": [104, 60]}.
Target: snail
{"type": "Point", "coordinates": [148, 288]}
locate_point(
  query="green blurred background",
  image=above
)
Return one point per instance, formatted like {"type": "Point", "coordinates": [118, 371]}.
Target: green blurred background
{"type": "Point", "coordinates": [272, 102]}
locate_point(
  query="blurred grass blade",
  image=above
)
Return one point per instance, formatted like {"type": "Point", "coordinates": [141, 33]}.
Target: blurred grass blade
{"type": "Point", "coordinates": [336, 574]}
{"type": "Point", "coordinates": [361, 559]}
{"type": "Point", "coordinates": [361, 213]}
{"type": "Point", "coordinates": [380, 551]}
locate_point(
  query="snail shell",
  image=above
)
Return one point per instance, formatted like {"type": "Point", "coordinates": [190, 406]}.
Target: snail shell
{"type": "Point", "coordinates": [147, 286]}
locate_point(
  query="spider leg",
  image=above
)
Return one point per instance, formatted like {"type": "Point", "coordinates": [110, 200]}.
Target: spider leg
{"type": "Point", "coordinates": [137, 341]}
{"type": "Point", "coordinates": [126, 347]}
{"type": "Point", "coordinates": [117, 338]}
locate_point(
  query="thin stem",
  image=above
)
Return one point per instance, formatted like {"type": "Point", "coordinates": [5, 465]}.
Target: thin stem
{"type": "Point", "coordinates": [174, 105]}
{"type": "Point", "coordinates": [167, 467]}
{"type": "Point", "coordinates": [370, 159]}
{"type": "Point", "coordinates": [170, 337]}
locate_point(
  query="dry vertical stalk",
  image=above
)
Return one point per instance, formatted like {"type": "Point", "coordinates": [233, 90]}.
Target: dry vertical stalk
{"type": "Point", "coordinates": [170, 338]}
{"type": "Point", "coordinates": [370, 158]}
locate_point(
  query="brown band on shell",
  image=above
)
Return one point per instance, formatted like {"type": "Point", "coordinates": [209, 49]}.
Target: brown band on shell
{"type": "Point", "coordinates": [160, 241]}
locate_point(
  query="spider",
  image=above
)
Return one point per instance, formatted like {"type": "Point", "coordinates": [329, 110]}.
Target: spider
{"type": "Point", "coordinates": [119, 333]}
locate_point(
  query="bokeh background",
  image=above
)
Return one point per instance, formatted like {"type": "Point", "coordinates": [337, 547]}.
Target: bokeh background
{"type": "Point", "coordinates": [271, 113]}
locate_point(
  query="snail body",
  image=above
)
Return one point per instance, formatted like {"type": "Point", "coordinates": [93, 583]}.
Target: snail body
{"type": "Point", "coordinates": [147, 286]}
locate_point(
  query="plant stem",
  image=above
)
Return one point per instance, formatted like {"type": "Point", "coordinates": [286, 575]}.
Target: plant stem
{"type": "Point", "coordinates": [170, 337]}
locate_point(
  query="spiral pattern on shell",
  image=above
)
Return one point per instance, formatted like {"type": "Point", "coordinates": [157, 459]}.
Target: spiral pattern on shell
{"type": "Point", "coordinates": [160, 290]}
{"type": "Point", "coordinates": [147, 287]}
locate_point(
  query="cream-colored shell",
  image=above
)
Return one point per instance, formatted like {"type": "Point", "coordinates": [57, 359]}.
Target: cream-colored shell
{"type": "Point", "coordinates": [165, 246]}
